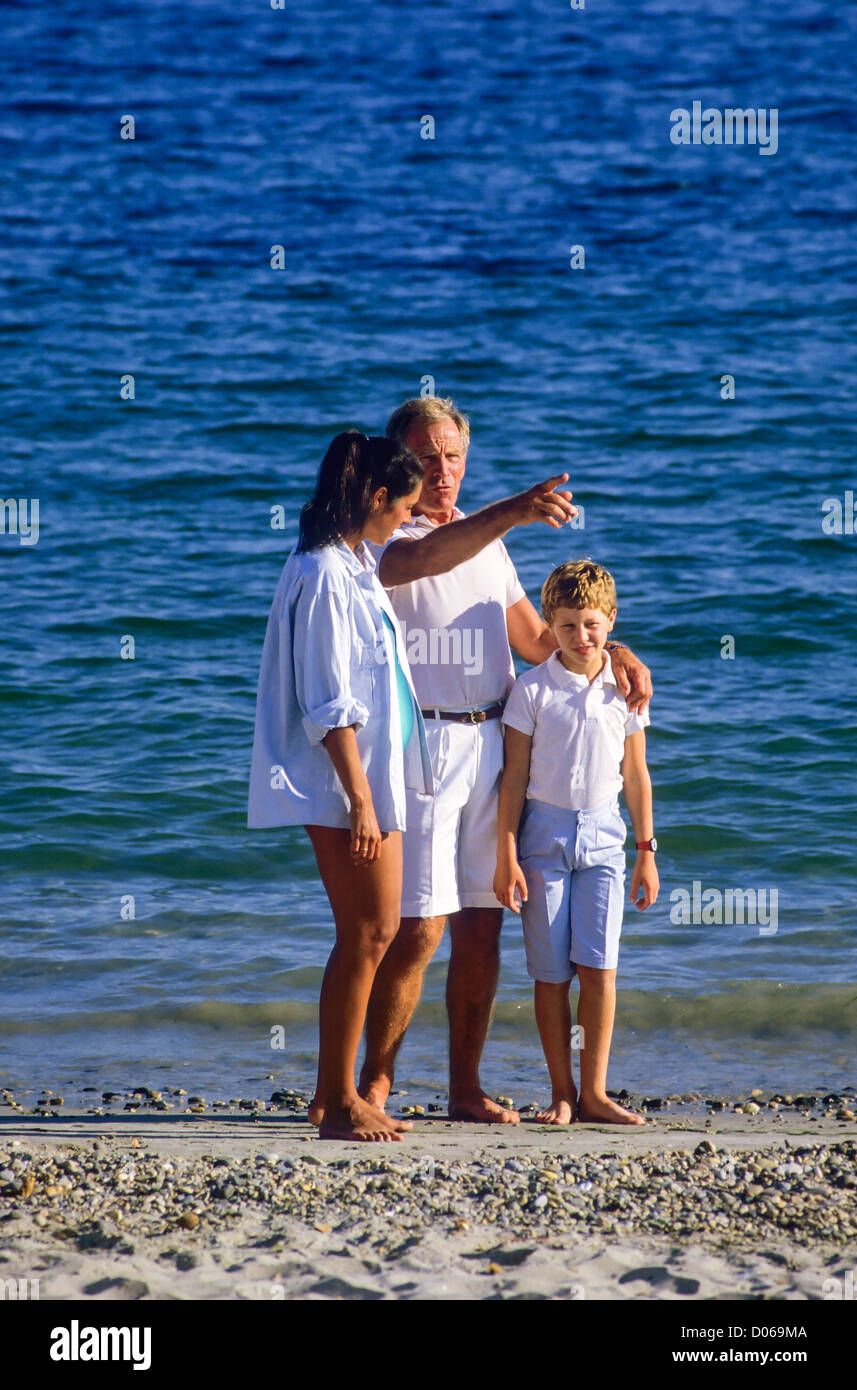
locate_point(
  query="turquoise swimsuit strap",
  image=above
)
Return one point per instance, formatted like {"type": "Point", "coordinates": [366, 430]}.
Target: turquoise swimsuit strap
{"type": "Point", "coordinates": [406, 700]}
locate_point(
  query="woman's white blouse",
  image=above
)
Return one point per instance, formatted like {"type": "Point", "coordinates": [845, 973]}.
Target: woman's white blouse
{"type": "Point", "coordinates": [327, 663]}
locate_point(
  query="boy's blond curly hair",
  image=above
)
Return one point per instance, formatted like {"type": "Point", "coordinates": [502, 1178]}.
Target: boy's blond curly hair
{"type": "Point", "coordinates": [578, 584]}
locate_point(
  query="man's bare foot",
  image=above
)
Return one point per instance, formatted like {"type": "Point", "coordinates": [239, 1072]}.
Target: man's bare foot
{"type": "Point", "coordinates": [375, 1092]}
{"type": "Point", "coordinates": [475, 1105]}
{"type": "Point", "coordinates": [316, 1111]}
{"type": "Point", "coordinates": [560, 1111]}
{"type": "Point", "coordinates": [363, 1122]}
{"type": "Point", "coordinates": [606, 1111]}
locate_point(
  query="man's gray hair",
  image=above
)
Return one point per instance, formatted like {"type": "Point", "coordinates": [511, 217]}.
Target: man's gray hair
{"type": "Point", "coordinates": [427, 410]}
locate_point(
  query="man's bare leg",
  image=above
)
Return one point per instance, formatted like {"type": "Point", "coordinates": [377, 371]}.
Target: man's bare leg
{"type": "Point", "coordinates": [474, 970]}
{"type": "Point", "coordinates": [596, 1010]}
{"type": "Point", "coordinates": [395, 995]}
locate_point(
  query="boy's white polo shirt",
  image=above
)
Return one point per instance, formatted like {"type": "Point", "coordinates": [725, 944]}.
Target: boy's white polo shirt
{"type": "Point", "coordinates": [578, 730]}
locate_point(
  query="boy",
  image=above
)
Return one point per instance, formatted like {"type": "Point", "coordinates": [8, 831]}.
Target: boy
{"type": "Point", "coordinates": [571, 743]}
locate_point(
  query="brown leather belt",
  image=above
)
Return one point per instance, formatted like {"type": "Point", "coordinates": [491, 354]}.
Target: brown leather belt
{"type": "Point", "coordinates": [470, 716]}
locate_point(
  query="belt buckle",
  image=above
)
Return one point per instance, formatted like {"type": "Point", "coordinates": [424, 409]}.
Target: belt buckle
{"type": "Point", "coordinates": [474, 713]}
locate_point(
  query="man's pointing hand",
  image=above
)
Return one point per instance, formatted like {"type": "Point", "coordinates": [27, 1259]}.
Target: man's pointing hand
{"type": "Point", "coordinates": [541, 503]}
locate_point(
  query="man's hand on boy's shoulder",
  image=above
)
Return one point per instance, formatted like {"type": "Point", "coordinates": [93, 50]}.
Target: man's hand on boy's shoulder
{"type": "Point", "coordinates": [633, 678]}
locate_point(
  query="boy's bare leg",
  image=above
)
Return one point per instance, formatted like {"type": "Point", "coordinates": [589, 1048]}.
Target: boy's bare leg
{"type": "Point", "coordinates": [595, 1013]}
{"type": "Point", "coordinates": [474, 968]}
{"type": "Point", "coordinates": [553, 1016]}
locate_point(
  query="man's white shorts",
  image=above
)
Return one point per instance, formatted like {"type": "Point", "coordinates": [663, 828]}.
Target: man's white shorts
{"type": "Point", "coordinates": [449, 847]}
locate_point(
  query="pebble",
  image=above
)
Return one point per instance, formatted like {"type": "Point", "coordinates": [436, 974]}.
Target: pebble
{"type": "Point", "coordinates": [102, 1200]}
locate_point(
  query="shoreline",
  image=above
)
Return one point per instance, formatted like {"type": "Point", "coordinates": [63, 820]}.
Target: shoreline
{"type": "Point", "coordinates": [695, 1204]}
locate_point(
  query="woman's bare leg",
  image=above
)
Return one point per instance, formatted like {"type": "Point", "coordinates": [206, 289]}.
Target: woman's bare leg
{"type": "Point", "coordinates": [366, 900]}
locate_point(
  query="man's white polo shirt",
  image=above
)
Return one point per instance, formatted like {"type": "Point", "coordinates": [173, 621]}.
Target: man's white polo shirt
{"type": "Point", "coordinates": [578, 731]}
{"type": "Point", "coordinates": [454, 624]}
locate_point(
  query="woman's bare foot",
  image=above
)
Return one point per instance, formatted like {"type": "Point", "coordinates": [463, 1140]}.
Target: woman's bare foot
{"type": "Point", "coordinates": [559, 1112]}
{"type": "Point", "coordinates": [363, 1122]}
{"type": "Point", "coordinates": [600, 1110]}
{"type": "Point", "coordinates": [316, 1116]}
{"type": "Point", "coordinates": [375, 1094]}
{"type": "Point", "coordinates": [475, 1105]}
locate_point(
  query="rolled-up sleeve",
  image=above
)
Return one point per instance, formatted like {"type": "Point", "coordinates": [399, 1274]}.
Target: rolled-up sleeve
{"type": "Point", "coordinates": [321, 650]}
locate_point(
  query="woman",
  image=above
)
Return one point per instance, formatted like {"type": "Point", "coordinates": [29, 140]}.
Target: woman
{"type": "Point", "coordinates": [338, 737]}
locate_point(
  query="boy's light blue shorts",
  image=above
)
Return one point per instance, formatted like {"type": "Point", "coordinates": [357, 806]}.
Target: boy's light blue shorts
{"type": "Point", "coordinates": [574, 864]}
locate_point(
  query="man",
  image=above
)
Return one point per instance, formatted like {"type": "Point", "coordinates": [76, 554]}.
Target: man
{"type": "Point", "coordinates": [461, 605]}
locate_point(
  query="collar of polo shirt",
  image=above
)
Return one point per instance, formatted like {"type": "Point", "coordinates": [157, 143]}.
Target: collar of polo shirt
{"type": "Point", "coordinates": [605, 675]}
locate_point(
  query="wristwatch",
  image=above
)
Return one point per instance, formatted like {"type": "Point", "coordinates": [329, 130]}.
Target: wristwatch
{"type": "Point", "coordinates": [647, 844]}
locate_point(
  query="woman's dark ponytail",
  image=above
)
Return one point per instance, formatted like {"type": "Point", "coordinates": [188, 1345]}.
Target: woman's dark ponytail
{"type": "Point", "coordinates": [351, 471]}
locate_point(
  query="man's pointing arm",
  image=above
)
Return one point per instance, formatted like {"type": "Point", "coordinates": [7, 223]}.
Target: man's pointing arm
{"type": "Point", "coordinates": [449, 545]}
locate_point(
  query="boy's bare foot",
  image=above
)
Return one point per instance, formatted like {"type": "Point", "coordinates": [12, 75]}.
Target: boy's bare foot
{"type": "Point", "coordinates": [363, 1122]}
{"type": "Point", "coordinates": [475, 1105]}
{"type": "Point", "coordinates": [606, 1111]}
{"type": "Point", "coordinates": [559, 1112]}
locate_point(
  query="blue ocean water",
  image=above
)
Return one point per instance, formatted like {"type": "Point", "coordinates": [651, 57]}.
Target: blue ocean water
{"type": "Point", "coordinates": [405, 258]}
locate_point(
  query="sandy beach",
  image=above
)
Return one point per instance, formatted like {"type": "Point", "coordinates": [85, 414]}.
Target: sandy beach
{"type": "Point", "coordinates": [753, 1199]}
